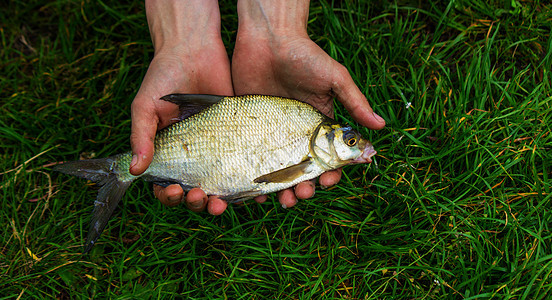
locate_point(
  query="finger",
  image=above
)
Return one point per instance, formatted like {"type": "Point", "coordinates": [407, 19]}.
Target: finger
{"type": "Point", "coordinates": [330, 178]}
{"type": "Point", "coordinates": [196, 199]}
{"type": "Point", "coordinates": [261, 199]}
{"type": "Point", "coordinates": [216, 206]}
{"type": "Point", "coordinates": [144, 126]}
{"type": "Point", "coordinates": [287, 198]}
{"type": "Point", "coordinates": [169, 196]}
{"type": "Point", "coordinates": [304, 190]}
{"type": "Point", "coordinates": [354, 101]}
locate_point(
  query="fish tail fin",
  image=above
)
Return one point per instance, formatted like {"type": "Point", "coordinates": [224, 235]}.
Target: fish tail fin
{"type": "Point", "coordinates": [103, 171]}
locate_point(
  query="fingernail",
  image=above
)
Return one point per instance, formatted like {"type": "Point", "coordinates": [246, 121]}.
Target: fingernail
{"type": "Point", "coordinates": [323, 186]}
{"type": "Point", "coordinates": [377, 117]}
{"type": "Point", "coordinates": [174, 199]}
{"type": "Point", "coordinates": [134, 161]}
{"type": "Point", "coordinates": [284, 206]}
{"type": "Point", "coordinates": [196, 204]}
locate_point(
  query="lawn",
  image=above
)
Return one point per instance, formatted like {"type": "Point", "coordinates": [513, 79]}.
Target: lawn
{"type": "Point", "coordinates": [457, 204]}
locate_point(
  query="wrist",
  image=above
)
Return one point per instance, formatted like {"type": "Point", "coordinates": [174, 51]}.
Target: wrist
{"type": "Point", "coordinates": [271, 19]}
{"type": "Point", "coordinates": [183, 27]}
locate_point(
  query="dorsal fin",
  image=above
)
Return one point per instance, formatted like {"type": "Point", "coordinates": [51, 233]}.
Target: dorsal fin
{"type": "Point", "coordinates": [191, 104]}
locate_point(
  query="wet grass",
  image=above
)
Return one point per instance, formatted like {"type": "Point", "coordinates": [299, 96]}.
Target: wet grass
{"type": "Point", "coordinates": [457, 204]}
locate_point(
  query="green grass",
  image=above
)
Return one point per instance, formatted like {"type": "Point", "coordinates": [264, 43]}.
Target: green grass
{"type": "Point", "coordinates": [456, 205]}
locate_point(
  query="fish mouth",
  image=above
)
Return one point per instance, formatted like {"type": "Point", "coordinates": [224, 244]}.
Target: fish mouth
{"type": "Point", "coordinates": [365, 157]}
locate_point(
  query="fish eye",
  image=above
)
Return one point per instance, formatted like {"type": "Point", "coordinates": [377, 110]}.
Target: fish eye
{"type": "Point", "coordinates": [350, 138]}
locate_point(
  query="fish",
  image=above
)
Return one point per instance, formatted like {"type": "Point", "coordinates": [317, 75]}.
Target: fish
{"type": "Point", "coordinates": [234, 147]}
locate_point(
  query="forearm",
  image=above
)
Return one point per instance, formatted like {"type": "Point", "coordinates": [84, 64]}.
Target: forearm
{"type": "Point", "coordinates": [178, 25]}
{"type": "Point", "coordinates": [274, 18]}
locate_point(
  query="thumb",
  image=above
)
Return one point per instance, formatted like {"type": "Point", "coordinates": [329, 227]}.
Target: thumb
{"type": "Point", "coordinates": [144, 127]}
{"type": "Point", "coordinates": [354, 101]}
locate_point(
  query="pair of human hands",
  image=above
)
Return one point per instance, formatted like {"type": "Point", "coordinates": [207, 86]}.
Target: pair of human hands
{"type": "Point", "coordinates": [289, 65]}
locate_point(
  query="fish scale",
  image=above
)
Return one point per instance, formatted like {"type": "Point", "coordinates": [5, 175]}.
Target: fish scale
{"type": "Point", "coordinates": [228, 146]}
{"type": "Point", "coordinates": [232, 147]}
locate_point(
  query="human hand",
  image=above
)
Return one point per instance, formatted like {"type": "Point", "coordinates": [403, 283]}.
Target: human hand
{"type": "Point", "coordinates": [274, 56]}
{"type": "Point", "coordinates": [189, 58]}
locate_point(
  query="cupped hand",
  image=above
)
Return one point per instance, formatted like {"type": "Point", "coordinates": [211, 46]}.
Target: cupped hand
{"type": "Point", "coordinates": [294, 66]}
{"type": "Point", "coordinates": [176, 71]}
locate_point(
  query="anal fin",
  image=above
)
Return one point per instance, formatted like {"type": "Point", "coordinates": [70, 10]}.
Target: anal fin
{"type": "Point", "coordinates": [165, 182]}
{"type": "Point", "coordinates": [239, 197]}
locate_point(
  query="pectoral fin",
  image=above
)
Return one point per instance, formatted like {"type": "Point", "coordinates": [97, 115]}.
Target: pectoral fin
{"type": "Point", "coordinates": [288, 174]}
{"type": "Point", "coordinates": [190, 104]}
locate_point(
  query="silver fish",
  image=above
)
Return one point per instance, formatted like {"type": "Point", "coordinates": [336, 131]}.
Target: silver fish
{"type": "Point", "coordinates": [233, 147]}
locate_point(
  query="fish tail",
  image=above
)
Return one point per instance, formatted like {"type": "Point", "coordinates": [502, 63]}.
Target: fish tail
{"type": "Point", "coordinates": [113, 184]}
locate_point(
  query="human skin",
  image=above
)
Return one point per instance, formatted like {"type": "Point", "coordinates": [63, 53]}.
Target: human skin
{"type": "Point", "coordinates": [273, 55]}
{"type": "Point", "coordinates": [189, 58]}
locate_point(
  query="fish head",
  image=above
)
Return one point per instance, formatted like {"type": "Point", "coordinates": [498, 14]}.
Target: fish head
{"type": "Point", "coordinates": [335, 146]}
